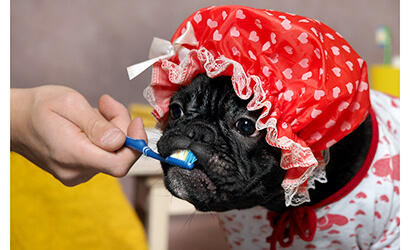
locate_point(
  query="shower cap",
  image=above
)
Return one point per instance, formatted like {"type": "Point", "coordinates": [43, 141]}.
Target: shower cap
{"type": "Point", "coordinates": [311, 86]}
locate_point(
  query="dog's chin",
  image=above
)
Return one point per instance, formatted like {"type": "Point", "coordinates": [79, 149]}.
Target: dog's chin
{"type": "Point", "coordinates": [193, 186]}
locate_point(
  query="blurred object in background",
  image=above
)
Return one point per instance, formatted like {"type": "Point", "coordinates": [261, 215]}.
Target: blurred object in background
{"type": "Point", "coordinates": [143, 111]}
{"type": "Point", "coordinates": [386, 77]}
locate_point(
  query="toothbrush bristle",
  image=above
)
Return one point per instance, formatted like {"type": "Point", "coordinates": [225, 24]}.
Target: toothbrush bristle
{"type": "Point", "coordinates": [184, 155]}
{"type": "Point", "coordinates": [182, 158]}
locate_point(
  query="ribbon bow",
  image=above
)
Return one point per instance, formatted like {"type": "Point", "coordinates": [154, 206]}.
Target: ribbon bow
{"type": "Point", "coordinates": [163, 49]}
{"type": "Point", "coordinates": [298, 220]}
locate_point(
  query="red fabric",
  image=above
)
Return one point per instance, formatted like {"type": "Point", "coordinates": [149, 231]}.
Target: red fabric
{"type": "Point", "coordinates": [363, 170]}
{"type": "Point", "coordinates": [298, 220]}
{"type": "Point", "coordinates": [311, 85]}
{"type": "Point", "coordinates": [302, 220]}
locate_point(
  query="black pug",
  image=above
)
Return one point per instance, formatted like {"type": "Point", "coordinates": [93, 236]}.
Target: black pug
{"type": "Point", "coordinates": [236, 167]}
{"type": "Point", "coordinates": [303, 74]}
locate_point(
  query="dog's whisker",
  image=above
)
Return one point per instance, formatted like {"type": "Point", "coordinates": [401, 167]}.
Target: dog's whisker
{"type": "Point", "coordinates": [189, 220]}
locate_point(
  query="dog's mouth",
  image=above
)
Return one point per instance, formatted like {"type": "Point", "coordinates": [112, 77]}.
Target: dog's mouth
{"type": "Point", "coordinates": [208, 184]}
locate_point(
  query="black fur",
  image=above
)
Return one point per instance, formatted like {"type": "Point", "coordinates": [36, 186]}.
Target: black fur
{"type": "Point", "coordinates": [237, 169]}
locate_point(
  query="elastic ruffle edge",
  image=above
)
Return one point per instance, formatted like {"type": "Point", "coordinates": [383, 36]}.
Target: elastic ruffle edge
{"type": "Point", "coordinates": [203, 61]}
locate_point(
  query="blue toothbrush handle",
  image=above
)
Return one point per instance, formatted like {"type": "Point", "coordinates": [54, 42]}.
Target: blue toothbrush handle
{"type": "Point", "coordinates": [141, 146]}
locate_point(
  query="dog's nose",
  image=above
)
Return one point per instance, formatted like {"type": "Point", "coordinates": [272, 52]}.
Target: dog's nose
{"type": "Point", "coordinates": [201, 133]}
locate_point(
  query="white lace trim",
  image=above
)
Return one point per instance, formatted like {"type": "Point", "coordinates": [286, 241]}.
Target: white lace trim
{"type": "Point", "coordinates": [184, 73]}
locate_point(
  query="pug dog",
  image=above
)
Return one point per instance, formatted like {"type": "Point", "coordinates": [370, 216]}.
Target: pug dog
{"type": "Point", "coordinates": [236, 167]}
{"type": "Point", "coordinates": [293, 149]}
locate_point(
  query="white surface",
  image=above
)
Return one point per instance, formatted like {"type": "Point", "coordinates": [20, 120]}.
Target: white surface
{"type": "Point", "coordinates": [146, 165]}
{"type": "Point", "coordinates": [161, 204]}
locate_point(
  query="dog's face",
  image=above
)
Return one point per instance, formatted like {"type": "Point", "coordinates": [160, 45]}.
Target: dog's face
{"type": "Point", "coordinates": [236, 168]}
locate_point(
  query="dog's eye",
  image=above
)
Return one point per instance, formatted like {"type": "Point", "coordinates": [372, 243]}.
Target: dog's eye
{"type": "Point", "coordinates": [175, 111]}
{"type": "Point", "coordinates": [246, 127]}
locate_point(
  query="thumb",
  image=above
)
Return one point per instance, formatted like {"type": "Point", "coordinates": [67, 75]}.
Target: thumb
{"type": "Point", "coordinates": [103, 133]}
{"type": "Point", "coordinates": [98, 129]}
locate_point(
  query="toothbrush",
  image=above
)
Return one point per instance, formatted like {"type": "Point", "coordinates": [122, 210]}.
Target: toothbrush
{"type": "Point", "coordinates": [182, 158]}
{"type": "Point", "coordinates": [383, 40]}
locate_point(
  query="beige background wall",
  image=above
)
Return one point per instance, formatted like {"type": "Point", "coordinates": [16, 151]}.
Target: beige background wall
{"type": "Point", "coordinates": [87, 44]}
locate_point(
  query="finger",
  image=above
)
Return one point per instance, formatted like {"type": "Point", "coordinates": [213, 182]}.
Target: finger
{"type": "Point", "coordinates": [127, 156]}
{"type": "Point", "coordinates": [116, 163]}
{"type": "Point", "coordinates": [136, 129]}
{"type": "Point", "coordinates": [114, 112]}
{"type": "Point", "coordinates": [99, 131]}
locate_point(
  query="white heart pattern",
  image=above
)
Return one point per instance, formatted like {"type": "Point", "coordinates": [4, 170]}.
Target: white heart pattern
{"type": "Point", "coordinates": [211, 23]}
{"type": "Point", "coordinates": [314, 31]}
{"type": "Point", "coordinates": [354, 106]}
{"type": "Point", "coordinates": [343, 106]}
{"type": "Point", "coordinates": [253, 36]}
{"type": "Point", "coordinates": [224, 15]}
{"type": "Point", "coordinates": [315, 113]}
{"type": "Point", "coordinates": [286, 24]}
{"type": "Point", "coordinates": [345, 126]}
{"type": "Point", "coordinates": [217, 36]}
{"type": "Point", "coordinates": [350, 65]}
{"type": "Point", "coordinates": [234, 32]}
{"type": "Point", "coordinates": [331, 37]}
{"type": "Point", "coordinates": [335, 50]}
{"type": "Point", "coordinates": [304, 63]}
{"type": "Point", "coordinates": [361, 61]}
{"type": "Point", "coordinates": [349, 87]}
{"type": "Point", "coordinates": [331, 143]}
{"type": "Point", "coordinates": [336, 92]}
{"type": "Point", "coordinates": [266, 71]}
{"type": "Point", "coordinates": [317, 53]}
{"type": "Point", "coordinates": [289, 49]}
{"type": "Point", "coordinates": [347, 48]}
{"type": "Point", "coordinates": [258, 23]}
{"type": "Point", "coordinates": [336, 71]}
{"type": "Point", "coordinates": [240, 15]}
{"type": "Point", "coordinates": [235, 51]}
{"type": "Point", "coordinates": [330, 123]}
{"type": "Point", "coordinates": [316, 136]}
{"type": "Point", "coordinates": [288, 95]}
{"type": "Point", "coordinates": [303, 38]}
{"type": "Point", "coordinates": [252, 55]}
{"type": "Point", "coordinates": [273, 38]}
{"type": "Point", "coordinates": [307, 75]}
{"type": "Point", "coordinates": [266, 46]}
{"type": "Point", "coordinates": [363, 86]}
{"type": "Point", "coordinates": [198, 18]}
{"type": "Point", "coordinates": [319, 94]}
{"type": "Point", "coordinates": [287, 73]}
{"type": "Point", "coordinates": [279, 85]}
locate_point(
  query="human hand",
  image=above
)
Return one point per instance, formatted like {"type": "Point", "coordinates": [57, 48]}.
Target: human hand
{"type": "Point", "coordinates": [56, 128]}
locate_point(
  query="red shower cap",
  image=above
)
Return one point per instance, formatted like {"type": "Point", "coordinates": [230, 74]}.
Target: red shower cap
{"type": "Point", "coordinates": [311, 85]}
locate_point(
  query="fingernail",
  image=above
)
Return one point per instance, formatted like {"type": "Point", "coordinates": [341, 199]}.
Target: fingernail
{"type": "Point", "coordinates": [111, 136]}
